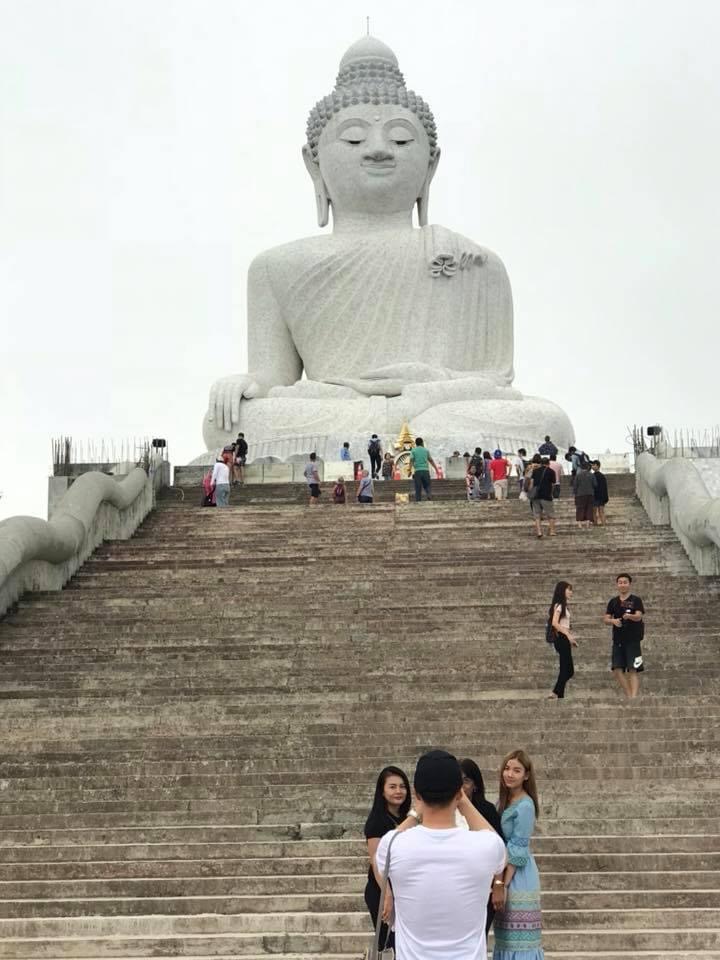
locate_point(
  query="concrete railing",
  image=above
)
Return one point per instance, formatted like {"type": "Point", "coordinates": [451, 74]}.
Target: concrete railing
{"type": "Point", "coordinates": [673, 492]}
{"type": "Point", "coordinates": [42, 555]}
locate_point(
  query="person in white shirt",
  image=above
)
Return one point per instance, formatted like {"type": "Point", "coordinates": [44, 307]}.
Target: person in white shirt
{"type": "Point", "coordinates": [312, 478]}
{"type": "Point", "coordinates": [519, 465]}
{"type": "Point", "coordinates": [441, 874]}
{"type": "Point", "coordinates": [221, 482]}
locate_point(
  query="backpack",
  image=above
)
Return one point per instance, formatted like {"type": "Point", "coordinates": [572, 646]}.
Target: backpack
{"type": "Point", "coordinates": [582, 458]}
{"type": "Point", "coordinates": [208, 497]}
{"type": "Point", "coordinates": [478, 461]}
{"type": "Point", "coordinates": [550, 632]}
{"type": "Point", "coordinates": [374, 446]}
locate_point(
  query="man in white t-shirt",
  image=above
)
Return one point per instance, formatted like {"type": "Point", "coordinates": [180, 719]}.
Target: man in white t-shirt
{"type": "Point", "coordinates": [312, 476]}
{"type": "Point", "coordinates": [442, 874]}
{"type": "Point", "coordinates": [518, 465]}
{"type": "Point", "coordinates": [221, 481]}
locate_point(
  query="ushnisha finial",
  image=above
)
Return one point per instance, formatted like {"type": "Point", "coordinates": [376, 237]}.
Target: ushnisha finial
{"type": "Point", "coordinates": [369, 73]}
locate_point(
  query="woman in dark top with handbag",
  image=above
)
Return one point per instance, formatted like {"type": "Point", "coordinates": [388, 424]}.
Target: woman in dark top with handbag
{"type": "Point", "coordinates": [558, 633]}
{"type": "Point", "coordinates": [474, 788]}
{"type": "Point", "coordinates": [390, 807]}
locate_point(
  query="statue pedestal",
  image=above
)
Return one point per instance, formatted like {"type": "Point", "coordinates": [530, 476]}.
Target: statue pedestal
{"type": "Point", "coordinates": [460, 425]}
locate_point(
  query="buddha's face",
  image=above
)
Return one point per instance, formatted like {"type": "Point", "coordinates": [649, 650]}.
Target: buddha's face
{"type": "Point", "coordinates": [374, 159]}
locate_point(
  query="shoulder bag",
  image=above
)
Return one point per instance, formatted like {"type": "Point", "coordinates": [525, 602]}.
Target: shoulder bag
{"type": "Point", "coordinates": [373, 951]}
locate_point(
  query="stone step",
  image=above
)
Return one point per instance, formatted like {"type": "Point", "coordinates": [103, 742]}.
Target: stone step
{"type": "Point", "coordinates": [273, 945]}
{"type": "Point", "coordinates": [231, 847]}
{"type": "Point", "coordinates": [130, 831]}
{"type": "Point", "coordinates": [223, 733]}
{"type": "Point", "coordinates": [191, 903]}
{"type": "Point", "coordinates": [549, 954]}
{"type": "Point", "coordinates": [93, 770]}
{"type": "Point", "coordinates": [194, 778]}
{"type": "Point", "coordinates": [327, 922]}
{"type": "Point", "coordinates": [174, 824]}
{"type": "Point", "coordinates": [630, 882]}
{"type": "Point", "coordinates": [199, 788]}
{"type": "Point", "coordinates": [319, 838]}
{"type": "Point", "coordinates": [279, 751]}
{"type": "Point", "coordinates": [534, 689]}
{"type": "Point", "coordinates": [201, 942]}
{"type": "Point", "coordinates": [170, 863]}
{"type": "Point", "coordinates": [409, 709]}
{"type": "Point", "coordinates": [278, 806]}
{"type": "Point", "coordinates": [270, 811]}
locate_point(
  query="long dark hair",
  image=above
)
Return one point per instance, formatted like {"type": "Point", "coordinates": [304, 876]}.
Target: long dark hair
{"type": "Point", "coordinates": [559, 597]}
{"type": "Point", "coordinates": [472, 771]}
{"type": "Point", "coordinates": [379, 806]}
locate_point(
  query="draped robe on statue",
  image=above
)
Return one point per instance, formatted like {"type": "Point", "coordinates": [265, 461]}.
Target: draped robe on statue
{"type": "Point", "coordinates": [411, 324]}
{"type": "Point", "coordinates": [371, 302]}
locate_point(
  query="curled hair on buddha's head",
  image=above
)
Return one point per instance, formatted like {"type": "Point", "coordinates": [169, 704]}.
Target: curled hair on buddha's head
{"type": "Point", "coordinates": [369, 73]}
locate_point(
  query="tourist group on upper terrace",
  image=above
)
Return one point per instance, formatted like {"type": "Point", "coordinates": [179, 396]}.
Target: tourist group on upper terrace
{"type": "Point", "coordinates": [535, 478]}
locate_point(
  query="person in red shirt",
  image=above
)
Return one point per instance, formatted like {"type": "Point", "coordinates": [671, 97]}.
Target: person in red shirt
{"type": "Point", "coordinates": [500, 468]}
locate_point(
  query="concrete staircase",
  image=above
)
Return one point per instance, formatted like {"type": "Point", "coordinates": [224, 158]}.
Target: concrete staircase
{"type": "Point", "coordinates": [192, 730]}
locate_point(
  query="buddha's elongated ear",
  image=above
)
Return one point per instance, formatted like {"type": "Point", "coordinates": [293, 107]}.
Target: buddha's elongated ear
{"type": "Point", "coordinates": [424, 198]}
{"type": "Point", "coordinates": [321, 195]}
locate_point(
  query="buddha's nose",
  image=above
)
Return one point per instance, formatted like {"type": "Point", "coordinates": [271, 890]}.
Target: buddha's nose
{"type": "Point", "coordinates": [377, 147]}
{"type": "Point", "coordinates": [378, 153]}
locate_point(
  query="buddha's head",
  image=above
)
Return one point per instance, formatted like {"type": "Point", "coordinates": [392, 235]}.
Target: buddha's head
{"type": "Point", "coordinates": [372, 144]}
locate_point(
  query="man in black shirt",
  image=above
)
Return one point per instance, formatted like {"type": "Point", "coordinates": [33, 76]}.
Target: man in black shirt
{"type": "Point", "coordinates": [540, 494]}
{"type": "Point", "coordinates": [625, 615]}
{"type": "Point", "coordinates": [375, 453]}
{"type": "Point", "coordinates": [548, 449]}
{"type": "Point", "coordinates": [240, 449]}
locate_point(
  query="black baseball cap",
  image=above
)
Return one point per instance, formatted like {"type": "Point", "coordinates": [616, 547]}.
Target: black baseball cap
{"type": "Point", "coordinates": [438, 776]}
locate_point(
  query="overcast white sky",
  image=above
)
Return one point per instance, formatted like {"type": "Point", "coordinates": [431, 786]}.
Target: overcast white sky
{"type": "Point", "coordinates": [150, 148]}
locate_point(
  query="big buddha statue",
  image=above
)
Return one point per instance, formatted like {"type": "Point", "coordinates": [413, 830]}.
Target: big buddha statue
{"type": "Point", "coordinates": [389, 322]}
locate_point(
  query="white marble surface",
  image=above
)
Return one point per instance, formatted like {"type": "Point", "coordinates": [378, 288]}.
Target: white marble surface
{"type": "Point", "coordinates": [674, 492]}
{"type": "Point", "coordinates": [379, 322]}
{"type": "Point", "coordinates": [42, 555]}
{"type": "Point", "coordinates": [709, 471]}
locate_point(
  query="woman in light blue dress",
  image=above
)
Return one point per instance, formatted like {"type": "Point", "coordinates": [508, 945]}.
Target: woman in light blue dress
{"type": "Point", "coordinates": [518, 926]}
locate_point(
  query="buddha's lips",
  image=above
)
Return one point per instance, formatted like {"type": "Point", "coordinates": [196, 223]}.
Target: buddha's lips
{"type": "Point", "coordinates": [373, 165]}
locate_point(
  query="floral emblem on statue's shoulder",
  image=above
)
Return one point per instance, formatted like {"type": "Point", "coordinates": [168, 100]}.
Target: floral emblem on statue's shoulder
{"type": "Point", "coordinates": [444, 265]}
{"type": "Point", "coordinates": [448, 252]}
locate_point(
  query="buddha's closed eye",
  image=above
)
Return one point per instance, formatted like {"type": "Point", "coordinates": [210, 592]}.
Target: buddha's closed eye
{"type": "Point", "coordinates": [354, 134]}
{"type": "Point", "coordinates": [400, 135]}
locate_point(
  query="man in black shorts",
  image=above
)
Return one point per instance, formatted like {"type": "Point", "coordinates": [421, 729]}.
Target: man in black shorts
{"type": "Point", "coordinates": [312, 477]}
{"type": "Point", "coordinates": [625, 615]}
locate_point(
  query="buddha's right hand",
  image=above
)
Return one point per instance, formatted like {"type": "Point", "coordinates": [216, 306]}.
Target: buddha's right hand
{"type": "Point", "coordinates": [226, 394]}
